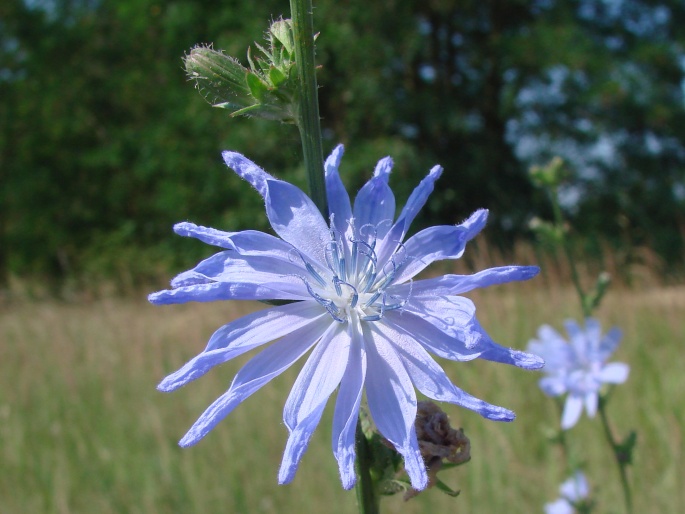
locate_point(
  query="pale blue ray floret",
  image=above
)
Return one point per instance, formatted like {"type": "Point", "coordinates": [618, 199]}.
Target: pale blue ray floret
{"type": "Point", "coordinates": [573, 491]}
{"type": "Point", "coordinates": [369, 325]}
{"type": "Point", "coordinates": [578, 367]}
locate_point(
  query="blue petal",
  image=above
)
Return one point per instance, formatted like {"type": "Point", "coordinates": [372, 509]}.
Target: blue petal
{"type": "Point", "coordinates": [392, 403]}
{"type": "Point", "coordinates": [316, 382]}
{"type": "Point", "coordinates": [225, 291]}
{"type": "Point", "coordinates": [497, 353]}
{"type": "Point", "coordinates": [414, 204]}
{"type": "Point", "coordinates": [560, 506]}
{"type": "Point", "coordinates": [577, 338]}
{"type": "Point", "coordinates": [347, 407]}
{"type": "Point", "coordinates": [338, 200]}
{"type": "Point", "coordinates": [297, 444]}
{"type": "Point", "coordinates": [222, 278]}
{"type": "Point", "coordinates": [575, 488]}
{"type": "Point", "coordinates": [429, 378]}
{"type": "Point", "coordinates": [374, 205]}
{"type": "Point", "coordinates": [591, 400]}
{"type": "Point", "coordinates": [453, 315]}
{"type": "Point", "coordinates": [553, 349]}
{"type": "Point", "coordinates": [437, 243]}
{"type": "Point", "coordinates": [513, 357]}
{"type": "Point", "coordinates": [572, 411]}
{"type": "Point", "coordinates": [553, 385]}
{"type": "Point", "coordinates": [297, 220]}
{"type": "Point", "coordinates": [293, 216]}
{"type": "Point", "coordinates": [261, 369]}
{"type": "Point", "coordinates": [247, 170]}
{"type": "Point", "coordinates": [228, 267]}
{"type": "Point", "coordinates": [447, 327]}
{"type": "Point", "coordinates": [245, 243]}
{"type": "Point", "coordinates": [609, 343]}
{"type": "Point", "coordinates": [244, 334]}
{"type": "Point", "coordinates": [593, 333]}
{"type": "Point", "coordinates": [614, 373]}
{"type": "Point", "coordinates": [449, 285]}
{"type": "Point", "coordinates": [411, 327]}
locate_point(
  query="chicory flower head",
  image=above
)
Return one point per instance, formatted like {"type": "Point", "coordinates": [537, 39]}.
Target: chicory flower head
{"type": "Point", "coordinates": [578, 367]}
{"type": "Point", "coordinates": [355, 306]}
{"type": "Point", "coordinates": [573, 492]}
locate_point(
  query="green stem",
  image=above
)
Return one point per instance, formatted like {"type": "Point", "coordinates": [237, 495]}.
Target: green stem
{"type": "Point", "coordinates": [562, 441]}
{"type": "Point", "coordinates": [559, 222]}
{"type": "Point", "coordinates": [308, 113]}
{"type": "Point", "coordinates": [618, 455]}
{"type": "Point", "coordinates": [368, 500]}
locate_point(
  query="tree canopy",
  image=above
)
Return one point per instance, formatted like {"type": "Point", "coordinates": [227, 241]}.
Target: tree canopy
{"type": "Point", "coordinates": [104, 144]}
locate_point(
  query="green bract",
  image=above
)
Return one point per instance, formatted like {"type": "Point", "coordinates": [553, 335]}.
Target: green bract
{"type": "Point", "coordinates": [267, 89]}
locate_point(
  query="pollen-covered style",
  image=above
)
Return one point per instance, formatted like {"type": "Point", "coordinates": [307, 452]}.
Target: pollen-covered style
{"type": "Point", "coordinates": [369, 327]}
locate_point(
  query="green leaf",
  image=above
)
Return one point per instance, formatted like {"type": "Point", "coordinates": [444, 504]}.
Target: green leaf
{"type": "Point", "coordinates": [625, 449]}
{"type": "Point", "coordinates": [282, 31]}
{"type": "Point", "coordinates": [445, 488]}
{"type": "Point", "coordinates": [258, 88]}
{"type": "Point", "coordinates": [277, 77]}
{"type": "Point", "coordinates": [218, 77]}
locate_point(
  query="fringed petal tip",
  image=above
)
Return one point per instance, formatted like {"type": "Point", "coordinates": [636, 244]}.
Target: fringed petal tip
{"type": "Point", "coordinates": [190, 439]}
{"type": "Point", "coordinates": [163, 388]}
{"type": "Point", "coordinates": [201, 428]}
{"type": "Point", "coordinates": [528, 272]}
{"type": "Point", "coordinates": [346, 458]}
{"type": "Point", "coordinates": [333, 160]}
{"type": "Point", "coordinates": [232, 158]}
{"type": "Point", "coordinates": [180, 378]}
{"type": "Point", "coordinates": [168, 384]}
{"type": "Point", "coordinates": [185, 228]}
{"type": "Point", "coordinates": [158, 297]}
{"type": "Point", "coordinates": [479, 217]}
{"type": "Point", "coordinates": [348, 481]}
{"type": "Point", "coordinates": [173, 296]}
{"type": "Point", "coordinates": [383, 168]}
{"type": "Point", "coordinates": [526, 360]}
{"type": "Point", "coordinates": [498, 414]}
{"type": "Point", "coordinates": [416, 469]}
{"type": "Point", "coordinates": [435, 172]}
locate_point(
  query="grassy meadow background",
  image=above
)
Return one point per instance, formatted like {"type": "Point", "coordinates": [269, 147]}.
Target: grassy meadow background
{"type": "Point", "coordinates": [83, 430]}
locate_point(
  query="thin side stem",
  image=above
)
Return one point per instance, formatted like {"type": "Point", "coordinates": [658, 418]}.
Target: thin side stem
{"type": "Point", "coordinates": [308, 121]}
{"type": "Point", "coordinates": [575, 278]}
{"type": "Point", "coordinates": [368, 500]}
{"type": "Point", "coordinates": [562, 441]}
{"type": "Point", "coordinates": [618, 455]}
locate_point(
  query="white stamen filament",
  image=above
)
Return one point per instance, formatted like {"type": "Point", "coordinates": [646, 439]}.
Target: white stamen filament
{"type": "Point", "coordinates": [359, 288]}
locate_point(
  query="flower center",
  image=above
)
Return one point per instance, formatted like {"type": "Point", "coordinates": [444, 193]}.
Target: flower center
{"type": "Point", "coordinates": [354, 281]}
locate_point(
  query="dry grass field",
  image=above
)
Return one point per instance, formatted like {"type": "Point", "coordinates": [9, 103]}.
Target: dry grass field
{"type": "Point", "coordinates": [83, 430]}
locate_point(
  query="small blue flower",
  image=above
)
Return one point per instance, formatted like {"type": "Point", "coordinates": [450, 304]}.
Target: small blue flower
{"type": "Point", "coordinates": [355, 306]}
{"type": "Point", "coordinates": [578, 367]}
{"type": "Point", "coordinates": [573, 492]}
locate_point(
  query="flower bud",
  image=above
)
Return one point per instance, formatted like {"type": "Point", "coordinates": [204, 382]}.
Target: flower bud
{"type": "Point", "coordinates": [265, 89]}
{"type": "Point", "coordinates": [550, 175]}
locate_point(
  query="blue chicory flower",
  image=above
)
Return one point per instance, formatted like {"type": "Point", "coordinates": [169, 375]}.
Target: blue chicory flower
{"type": "Point", "coordinates": [578, 367]}
{"type": "Point", "coordinates": [573, 491]}
{"type": "Point", "coordinates": [369, 326]}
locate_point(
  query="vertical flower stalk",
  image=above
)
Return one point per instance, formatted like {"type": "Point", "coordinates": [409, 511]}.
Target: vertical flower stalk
{"type": "Point", "coordinates": [308, 123]}
{"type": "Point", "coordinates": [622, 454]}
{"type": "Point", "coordinates": [308, 113]}
{"type": "Point", "coordinates": [368, 500]}
{"type": "Point", "coordinates": [578, 368]}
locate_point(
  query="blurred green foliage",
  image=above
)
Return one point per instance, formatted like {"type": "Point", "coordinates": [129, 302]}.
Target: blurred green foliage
{"type": "Point", "coordinates": [104, 145]}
